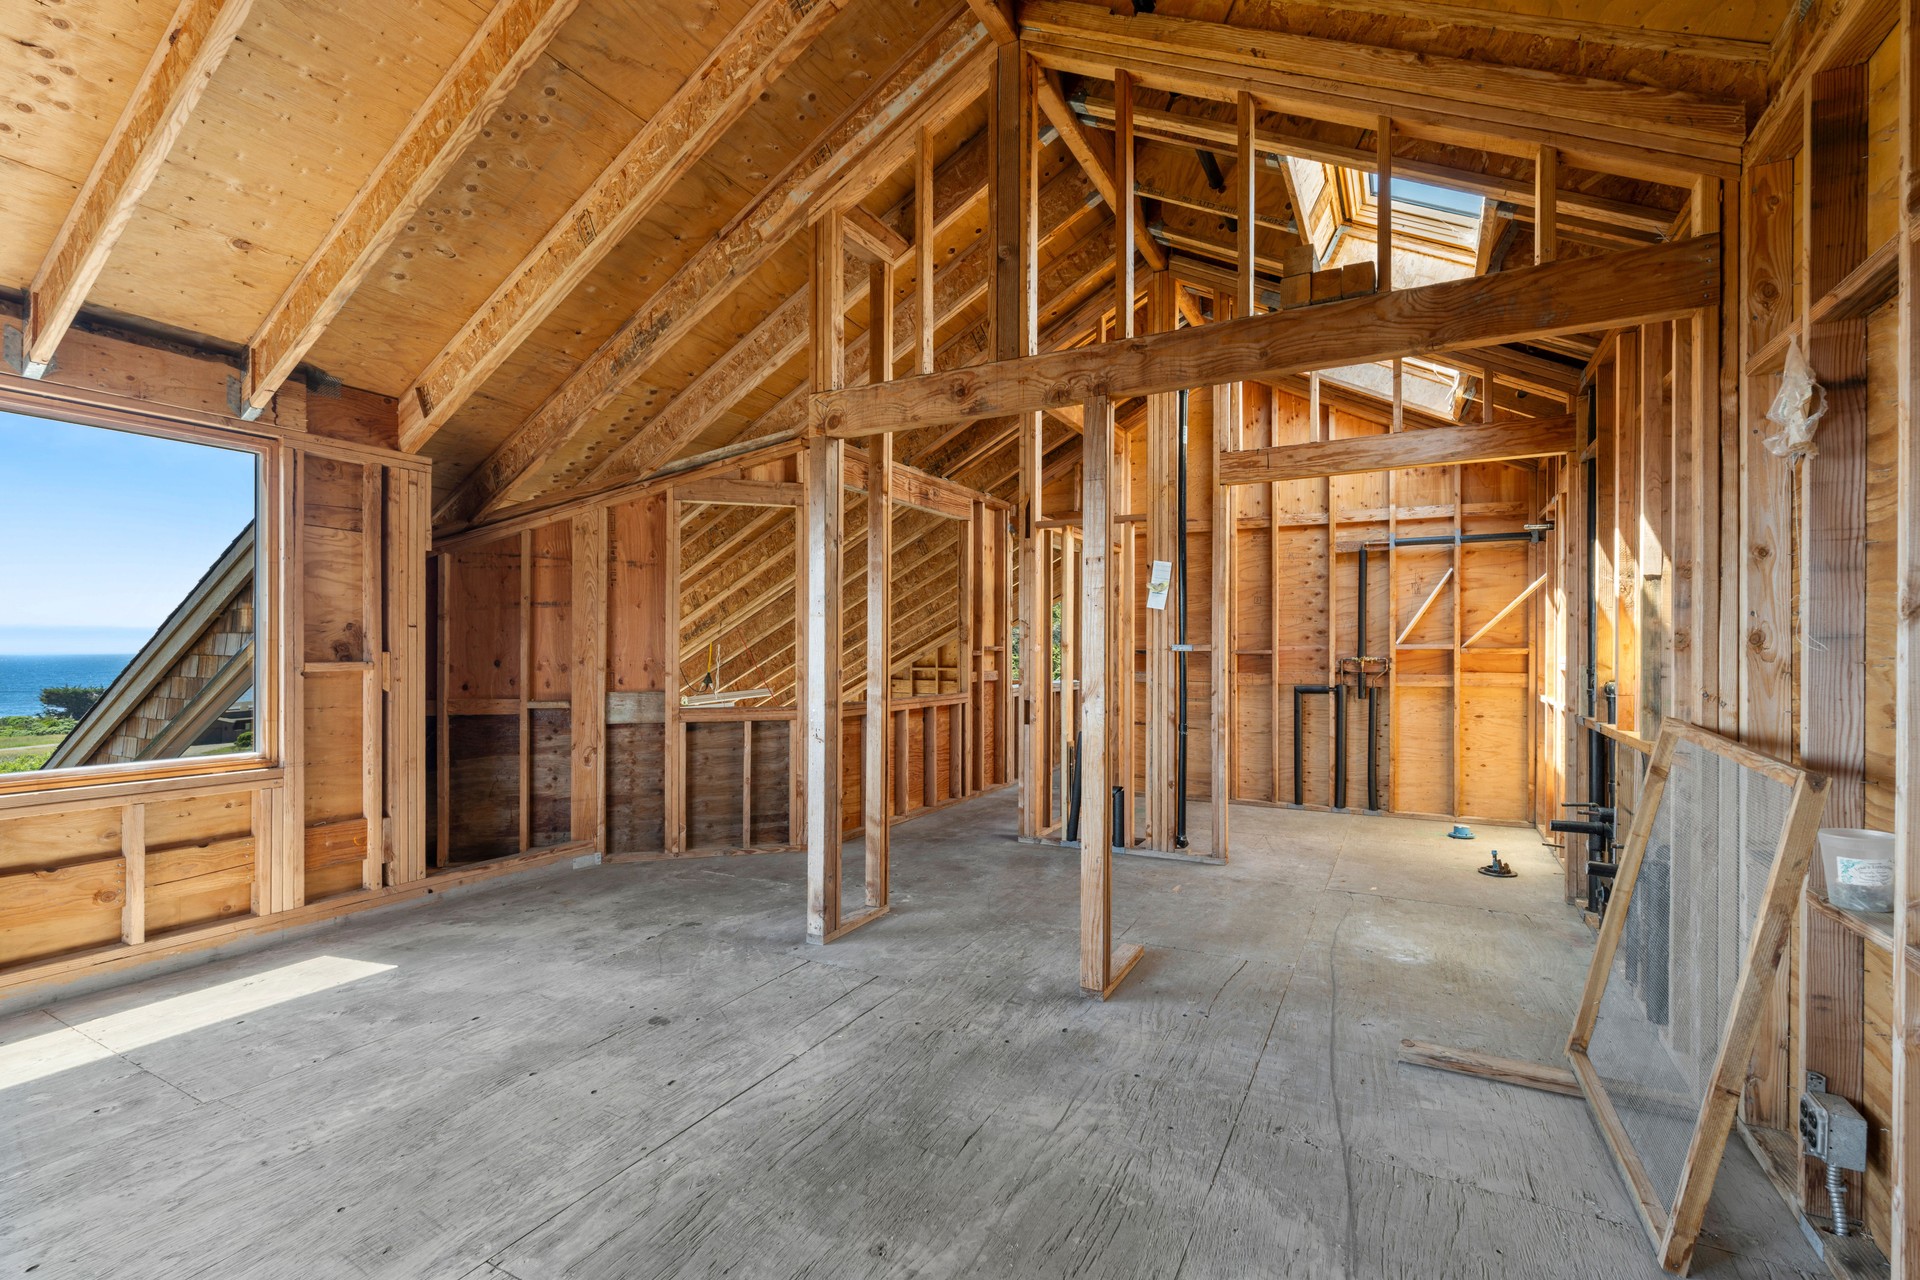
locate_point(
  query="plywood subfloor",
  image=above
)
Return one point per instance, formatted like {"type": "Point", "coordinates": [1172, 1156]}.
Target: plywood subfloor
{"type": "Point", "coordinates": [640, 1071]}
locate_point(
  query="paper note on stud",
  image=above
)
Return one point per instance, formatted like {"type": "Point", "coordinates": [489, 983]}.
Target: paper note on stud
{"type": "Point", "coordinates": [1158, 583]}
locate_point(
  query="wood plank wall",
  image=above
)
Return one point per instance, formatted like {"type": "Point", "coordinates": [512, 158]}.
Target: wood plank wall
{"type": "Point", "coordinates": [104, 868]}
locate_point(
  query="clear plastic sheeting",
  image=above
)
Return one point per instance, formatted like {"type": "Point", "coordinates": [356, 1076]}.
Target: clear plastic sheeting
{"type": "Point", "coordinates": [1797, 407]}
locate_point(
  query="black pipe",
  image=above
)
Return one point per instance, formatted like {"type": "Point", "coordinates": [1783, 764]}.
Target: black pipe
{"type": "Point", "coordinates": [1456, 539]}
{"type": "Point", "coordinates": [1073, 800]}
{"type": "Point", "coordinates": [1180, 653]}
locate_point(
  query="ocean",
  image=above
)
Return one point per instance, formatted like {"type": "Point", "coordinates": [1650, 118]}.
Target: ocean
{"type": "Point", "coordinates": [24, 675]}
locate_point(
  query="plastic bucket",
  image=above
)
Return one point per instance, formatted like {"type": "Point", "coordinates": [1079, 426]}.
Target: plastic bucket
{"type": "Point", "coordinates": [1859, 867]}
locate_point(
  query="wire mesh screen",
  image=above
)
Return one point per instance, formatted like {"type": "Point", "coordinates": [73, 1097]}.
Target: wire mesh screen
{"type": "Point", "coordinates": [1691, 912]}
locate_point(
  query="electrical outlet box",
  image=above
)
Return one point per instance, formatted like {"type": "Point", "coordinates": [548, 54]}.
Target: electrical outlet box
{"type": "Point", "coordinates": [1833, 1132]}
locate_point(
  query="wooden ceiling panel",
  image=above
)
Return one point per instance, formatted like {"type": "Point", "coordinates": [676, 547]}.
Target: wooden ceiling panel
{"type": "Point", "coordinates": [803, 103]}
{"type": "Point", "coordinates": [550, 139]}
{"type": "Point", "coordinates": [639, 52]}
{"type": "Point", "coordinates": [66, 72]}
{"type": "Point", "coordinates": [302, 110]}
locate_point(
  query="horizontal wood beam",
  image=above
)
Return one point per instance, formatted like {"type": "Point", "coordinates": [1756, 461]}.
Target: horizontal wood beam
{"type": "Point", "coordinates": [512, 39]}
{"type": "Point", "coordinates": [1634, 286]}
{"type": "Point", "coordinates": [750, 57]}
{"type": "Point", "coordinates": [197, 40]}
{"type": "Point", "coordinates": [864, 138]}
{"type": "Point", "coordinates": [1632, 129]}
{"type": "Point", "coordinates": [1434, 447]}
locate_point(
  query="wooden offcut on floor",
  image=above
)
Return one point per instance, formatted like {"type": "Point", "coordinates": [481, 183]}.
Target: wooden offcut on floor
{"type": "Point", "coordinates": [642, 1070]}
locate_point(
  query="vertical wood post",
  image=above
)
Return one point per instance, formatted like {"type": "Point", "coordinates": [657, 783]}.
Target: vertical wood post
{"type": "Point", "coordinates": [588, 695]}
{"type": "Point", "coordinates": [133, 861]}
{"type": "Point", "coordinates": [1246, 181]}
{"type": "Point", "coordinates": [1124, 213]}
{"type": "Point", "coordinates": [1220, 611]}
{"type": "Point", "coordinates": [923, 253]}
{"type": "Point", "coordinates": [878, 721]}
{"type": "Point", "coordinates": [673, 742]}
{"type": "Point", "coordinates": [1546, 220]}
{"type": "Point", "coordinates": [1904, 1146]}
{"type": "Point", "coordinates": [1165, 538]}
{"type": "Point", "coordinates": [1383, 207]}
{"type": "Point", "coordinates": [1013, 195]}
{"type": "Point", "coordinates": [1096, 824]}
{"type": "Point", "coordinates": [1101, 969]}
{"type": "Point", "coordinates": [820, 599]}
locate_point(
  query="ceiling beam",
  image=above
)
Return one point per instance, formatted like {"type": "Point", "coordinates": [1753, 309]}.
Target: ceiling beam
{"type": "Point", "coordinates": [511, 40]}
{"type": "Point", "coordinates": [861, 142]}
{"type": "Point", "coordinates": [197, 39]}
{"type": "Point", "coordinates": [1438, 446]}
{"type": "Point", "coordinates": [1631, 129]}
{"type": "Point", "coordinates": [1632, 286]}
{"type": "Point", "coordinates": [750, 57]}
{"type": "Point", "coordinates": [1454, 14]}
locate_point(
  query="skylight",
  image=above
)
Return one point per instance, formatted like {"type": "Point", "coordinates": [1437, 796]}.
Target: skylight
{"type": "Point", "coordinates": [1428, 196]}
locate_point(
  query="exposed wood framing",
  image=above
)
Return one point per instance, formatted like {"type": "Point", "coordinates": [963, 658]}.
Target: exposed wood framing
{"type": "Point", "coordinates": [1630, 129]}
{"type": "Point", "coordinates": [863, 141]}
{"type": "Point", "coordinates": [514, 36]}
{"type": "Point", "coordinates": [1529, 438]}
{"type": "Point", "coordinates": [198, 37]}
{"type": "Point", "coordinates": [1562, 297]}
{"type": "Point", "coordinates": [754, 54]}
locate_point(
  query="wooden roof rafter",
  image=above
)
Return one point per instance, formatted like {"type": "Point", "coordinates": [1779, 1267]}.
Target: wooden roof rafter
{"type": "Point", "coordinates": [959, 186]}
{"type": "Point", "coordinates": [514, 36]}
{"type": "Point", "coordinates": [197, 40]}
{"type": "Point", "coordinates": [758, 49]}
{"type": "Point", "coordinates": [934, 78]}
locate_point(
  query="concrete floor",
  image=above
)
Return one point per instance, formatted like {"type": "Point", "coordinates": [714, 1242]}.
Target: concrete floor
{"type": "Point", "coordinates": [640, 1070]}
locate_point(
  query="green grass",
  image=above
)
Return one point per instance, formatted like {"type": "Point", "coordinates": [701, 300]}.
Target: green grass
{"type": "Point", "coordinates": [8, 740]}
{"type": "Point", "coordinates": [23, 761]}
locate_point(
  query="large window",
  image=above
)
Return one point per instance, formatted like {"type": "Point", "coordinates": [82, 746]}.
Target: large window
{"type": "Point", "coordinates": [127, 597]}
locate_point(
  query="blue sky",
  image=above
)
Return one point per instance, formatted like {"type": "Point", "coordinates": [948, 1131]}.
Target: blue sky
{"type": "Point", "coordinates": [109, 530]}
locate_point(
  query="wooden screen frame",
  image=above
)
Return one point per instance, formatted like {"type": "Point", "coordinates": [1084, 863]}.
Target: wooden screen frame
{"type": "Point", "coordinates": [1674, 1229]}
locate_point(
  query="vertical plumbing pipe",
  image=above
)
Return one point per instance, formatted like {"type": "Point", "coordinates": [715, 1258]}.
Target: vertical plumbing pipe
{"type": "Point", "coordinates": [1180, 651]}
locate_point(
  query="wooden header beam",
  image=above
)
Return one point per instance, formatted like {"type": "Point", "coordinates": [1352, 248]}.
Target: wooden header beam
{"type": "Point", "coordinates": [1439, 446]}
{"type": "Point", "coordinates": [197, 40]}
{"type": "Point", "coordinates": [1634, 286]}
